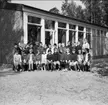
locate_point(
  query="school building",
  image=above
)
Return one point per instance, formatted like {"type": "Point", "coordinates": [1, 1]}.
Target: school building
{"type": "Point", "coordinates": [22, 23]}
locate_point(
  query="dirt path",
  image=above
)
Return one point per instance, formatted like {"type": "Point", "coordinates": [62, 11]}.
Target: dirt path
{"type": "Point", "coordinates": [53, 88]}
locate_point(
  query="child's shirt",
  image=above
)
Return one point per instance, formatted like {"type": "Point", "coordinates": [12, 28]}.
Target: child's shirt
{"type": "Point", "coordinates": [38, 57]}
{"type": "Point", "coordinates": [44, 58]}
{"type": "Point", "coordinates": [74, 57]}
{"type": "Point", "coordinates": [80, 57]}
{"type": "Point", "coordinates": [31, 57]}
{"type": "Point", "coordinates": [56, 56]}
{"type": "Point", "coordinates": [63, 57]}
{"type": "Point", "coordinates": [68, 57]}
{"type": "Point", "coordinates": [49, 57]}
{"type": "Point", "coordinates": [17, 58]}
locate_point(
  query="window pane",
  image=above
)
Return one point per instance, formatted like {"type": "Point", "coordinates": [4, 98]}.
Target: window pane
{"type": "Point", "coordinates": [60, 24]}
{"type": "Point", "coordinates": [80, 28]}
{"type": "Point", "coordinates": [32, 19]}
{"type": "Point", "coordinates": [49, 24]}
{"type": "Point", "coordinates": [72, 26]}
{"type": "Point", "coordinates": [88, 30]}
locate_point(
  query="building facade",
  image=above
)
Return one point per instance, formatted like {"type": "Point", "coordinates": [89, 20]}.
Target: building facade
{"type": "Point", "coordinates": [21, 23]}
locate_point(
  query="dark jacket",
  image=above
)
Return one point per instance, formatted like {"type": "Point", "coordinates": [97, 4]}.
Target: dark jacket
{"type": "Point", "coordinates": [69, 57]}
{"type": "Point", "coordinates": [49, 57]}
{"type": "Point", "coordinates": [56, 56]}
{"type": "Point", "coordinates": [74, 57]}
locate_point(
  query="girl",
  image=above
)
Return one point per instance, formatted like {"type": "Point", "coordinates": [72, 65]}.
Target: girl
{"type": "Point", "coordinates": [30, 59]}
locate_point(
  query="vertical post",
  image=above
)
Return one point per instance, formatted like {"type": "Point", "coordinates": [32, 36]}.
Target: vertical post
{"type": "Point", "coordinates": [56, 32]}
{"type": "Point", "coordinates": [67, 33]}
{"type": "Point", "coordinates": [96, 43]}
{"type": "Point", "coordinates": [76, 34]}
{"type": "Point", "coordinates": [84, 33]}
{"type": "Point", "coordinates": [25, 28]}
{"type": "Point", "coordinates": [91, 40]}
{"type": "Point", "coordinates": [100, 41]}
{"type": "Point", "coordinates": [43, 31]}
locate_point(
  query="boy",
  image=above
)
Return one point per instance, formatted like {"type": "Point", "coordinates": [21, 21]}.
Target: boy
{"type": "Point", "coordinates": [24, 61]}
{"type": "Point", "coordinates": [80, 59]}
{"type": "Point", "coordinates": [73, 63]}
{"type": "Point", "coordinates": [63, 57]}
{"type": "Point", "coordinates": [56, 58]}
{"type": "Point", "coordinates": [38, 60]}
{"type": "Point", "coordinates": [17, 61]}
{"type": "Point", "coordinates": [49, 60]}
{"type": "Point", "coordinates": [43, 60]}
{"type": "Point", "coordinates": [30, 59]}
{"type": "Point", "coordinates": [87, 60]}
{"type": "Point", "coordinates": [68, 58]}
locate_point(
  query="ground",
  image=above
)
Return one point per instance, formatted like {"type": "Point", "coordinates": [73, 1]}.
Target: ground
{"type": "Point", "coordinates": [53, 88]}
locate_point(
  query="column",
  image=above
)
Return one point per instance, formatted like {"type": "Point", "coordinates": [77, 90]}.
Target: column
{"type": "Point", "coordinates": [67, 33]}
{"type": "Point", "coordinates": [76, 34]}
{"type": "Point", "coordinates": [56, 32]}
{"type": "Point", "coordinates": [25, 28]}
{"type": "Point", "coordinates": [96, 43]}
{"type": "Point", "coordinates": [100, 42]}
{"type": "Point", "coordinates": [91, 41]}
{"type": "Point", "coordinates": [43, 31]}
{"type": "Point", "coordinates": [84, 33]}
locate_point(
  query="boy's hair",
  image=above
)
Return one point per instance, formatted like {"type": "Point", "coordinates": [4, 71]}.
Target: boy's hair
{"type": "Point", "coordinates": [49, 51]}
{"type": "Point", "coordinates": [15, 44]}
{"type": "Point", "coordinates": [55, 44]}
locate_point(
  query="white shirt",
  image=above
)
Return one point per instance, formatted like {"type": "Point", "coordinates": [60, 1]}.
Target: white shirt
{"type": "Point", "coordinates": [17, 58]}
{"type": "Point", "coordinates": [44, 58]}
{"type": "Point", "coordinates": [86, 45]}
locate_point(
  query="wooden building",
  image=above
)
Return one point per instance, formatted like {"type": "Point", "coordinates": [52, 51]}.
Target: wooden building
{"type": "Point", "coordinates": [22, 23]}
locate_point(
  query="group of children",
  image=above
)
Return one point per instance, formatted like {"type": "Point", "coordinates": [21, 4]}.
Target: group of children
{"type": "Point", "coordinates": [57, 57]}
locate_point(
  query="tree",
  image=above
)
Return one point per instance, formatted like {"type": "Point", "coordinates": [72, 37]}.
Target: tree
{"type": "Point", "coordinates": [54, 10]}
{"type": "Point", "coordinates": [3, 2]}
{"type": "Point", "coordinates": [72, 10]}
{"type": "Point", "coordinates": [96, 11]}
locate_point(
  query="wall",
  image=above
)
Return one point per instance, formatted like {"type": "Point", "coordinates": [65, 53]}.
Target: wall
{"type": "Point", "coordinates": [11, 30]}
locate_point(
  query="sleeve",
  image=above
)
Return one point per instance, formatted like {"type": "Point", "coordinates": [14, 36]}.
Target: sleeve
{"type": "Point", "coordinates": [20, 59]}
{"type": "Point", "coordinates": [13, 58]}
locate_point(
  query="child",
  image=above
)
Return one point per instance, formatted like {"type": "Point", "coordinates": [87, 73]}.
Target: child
{"type": "Point", "coordinates": [24, 61]}
{"type": "Point", "coordinates": [49, 60]}
{"type": "Point", "coordinates": [56, 58]}
{"type": "Point", "coordinates": [80, 60]}
{"type": "Point", "coordinates": [17, 61]}
{"type": "Point", "coordinates": [73, 63]}
{"type": "Point", "coordinates": [68, 58]}
{"type": "Point", "coordinates": [38, 60]}
{"type": "Point", "coordinates": [43, 60]}
{"type": "Point", "coordinates": [63, 57]}
{"type": "Point", "coordinates": [87, 59]}
{"type": "Point", "coordinates": [30, 59]}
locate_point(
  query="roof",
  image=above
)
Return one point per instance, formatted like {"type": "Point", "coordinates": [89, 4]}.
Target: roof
{"type": "Point", "coordinates": [19, 7]}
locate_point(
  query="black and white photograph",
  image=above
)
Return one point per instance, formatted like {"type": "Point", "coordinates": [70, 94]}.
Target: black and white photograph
{"type": "Point", "coordinates": [53, 52]}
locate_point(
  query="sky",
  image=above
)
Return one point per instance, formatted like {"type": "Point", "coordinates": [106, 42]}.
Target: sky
{"type": "Point", "coordinates": [45, 4]}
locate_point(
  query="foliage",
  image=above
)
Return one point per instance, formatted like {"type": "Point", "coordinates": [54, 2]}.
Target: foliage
{"type": "Point", "coordinates": [72, 10]}
{"type": "Point", "coordinates": [54, 10]}
{"type": "Point", "coordinates": [96, 11]}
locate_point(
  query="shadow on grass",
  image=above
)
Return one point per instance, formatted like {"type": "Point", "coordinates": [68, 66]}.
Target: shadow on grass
{"type": "Point", "coordinates": [9, 72]}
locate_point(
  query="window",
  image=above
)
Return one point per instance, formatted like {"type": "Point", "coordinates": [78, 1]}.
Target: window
{"type": "Point", "coordinates": [32, 19]}
{"type": "Point", "coordinates": [72, 26]}
{"type": "Point", "coordinates": [60, 24]}
{"type": "Point", "coordinates": [80, 28]}
{"type": "Point", "coordinates": [88, 30]}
